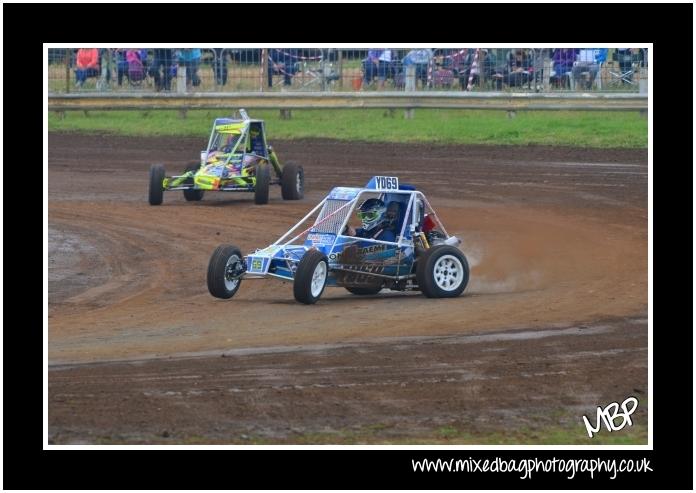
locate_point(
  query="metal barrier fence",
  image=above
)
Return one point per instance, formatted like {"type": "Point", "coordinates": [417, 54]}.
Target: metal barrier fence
{"type": "Point", "coordinates": [322, 100]}
{"type": "Point", "coordinates": [189, 70]}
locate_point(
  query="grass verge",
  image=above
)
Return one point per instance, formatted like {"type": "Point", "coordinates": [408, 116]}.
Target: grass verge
{"type": "Point", "coordinates": [558, 128]}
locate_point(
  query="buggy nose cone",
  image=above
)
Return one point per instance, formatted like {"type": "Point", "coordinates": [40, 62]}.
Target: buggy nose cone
{"type": "Point", "coordinates": [203, 182]}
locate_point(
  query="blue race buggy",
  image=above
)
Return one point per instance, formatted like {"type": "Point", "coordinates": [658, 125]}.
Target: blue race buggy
{"type": "Point", "coordinates": [423, 256]}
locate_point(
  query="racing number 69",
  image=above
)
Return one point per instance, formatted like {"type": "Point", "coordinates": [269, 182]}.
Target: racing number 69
{"type": "Point", "coordinates": [387, 182]}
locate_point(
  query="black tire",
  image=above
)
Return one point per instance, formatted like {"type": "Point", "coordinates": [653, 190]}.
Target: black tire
{"type": "Point", "coordinates": [221, 262]}
{"type": "Point", "coordinates": [263, 180]}
{"type": "Point", "coordinates": [191, 194]}
{"type": "Point", "coordinates": [302, 286]}
{"type": "Point", "coordinates": [156, 192]}
{"type": "Point", "coordinates": [365, 291]}
{"type": "Point", "coordinates": [434, 268]}
{"type": "Point", "coordinates": [292, 181]}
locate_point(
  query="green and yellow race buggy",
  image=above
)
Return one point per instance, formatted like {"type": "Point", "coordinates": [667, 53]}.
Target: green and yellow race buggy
{"type": "Point", "coordinates": [237, 159]}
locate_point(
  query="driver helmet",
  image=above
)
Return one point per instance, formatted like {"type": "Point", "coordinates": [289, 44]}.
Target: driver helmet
{"type": "Point", "coordinates": [371, 213]}
{"type": "Point", "coordinates": [229, 143]}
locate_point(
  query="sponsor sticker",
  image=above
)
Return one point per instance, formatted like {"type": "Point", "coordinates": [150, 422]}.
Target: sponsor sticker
{"type": "Point", "coordinates": [257, 264]}
{"type": "Point", "coordinates": [229, 127]}
{"type": "Point", "coordinates": [343, 193]}
{"type": "Point", "coordinates": [320, 239]}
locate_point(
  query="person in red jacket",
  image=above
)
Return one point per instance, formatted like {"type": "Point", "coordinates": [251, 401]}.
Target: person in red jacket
{"type": "Point", "coordinates": [87, 64]}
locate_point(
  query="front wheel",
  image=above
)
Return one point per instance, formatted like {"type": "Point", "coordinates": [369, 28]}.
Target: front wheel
{"type": "Point", "coordinates": [156, 191]}
{"type": "Point", "coordinates": [263, 180]}
{"type": "Point", "coordinates": [442, 272]}
{"type": "Point", "coordinates": [292, 182]}
{"type": "Point", "coordinates": [310, 277]}
{"type": "Point", "coordinates": [224, 270]}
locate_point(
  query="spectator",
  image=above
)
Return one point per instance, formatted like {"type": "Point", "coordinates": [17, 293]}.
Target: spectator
{"type": "Point", "coordinates": [282, 61]}
{"type": "Point", "coordinates": [625, 58]}
{"type": "Point", "coordinates": [130, 64]}
{"type": "Point", "coordinates": [489, 65]}
{"type": "Point", "coordinates": [191, 59]}
{"type": "Point", "coordinates": [220, 66]}
{"type": "Point", "coordinates": [489, 70]}
{"type": "Point", "coordinates": [121, 65]}
{"type": "Point", "coordinates": [440, 73]}
{"type": "Point", "coordinates": [563, 59]}
{"type": "Point", "coordinates": [105, 56]}
{"type": "Point", "coordinates": [458, 63]}
{"type": "Point", "coordinates": [136, 65]}
{"type": "Point", "coordinates": [588, 61]}
{"type": "Point", "coordinates": [519, 68]}
{"type": "Point", "coordinates": [371, 66]}
{"type": "Point", "coordinates": [462, 64]}
{"type": "Point", "coordinates": [160, 69]}
{"type": "Point", "coordinates": [378, 64]}
{"type": "Point", "coordinates": [419, 59]}
{"type": "Point", "coordinates": [87, 65]}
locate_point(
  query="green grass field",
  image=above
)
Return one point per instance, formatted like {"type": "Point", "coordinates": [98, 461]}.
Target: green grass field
{"type": "Point", "coordinates": [558, 128]}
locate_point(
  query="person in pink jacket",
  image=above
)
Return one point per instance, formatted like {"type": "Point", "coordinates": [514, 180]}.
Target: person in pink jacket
{"type": "Point", "coordinates": [87, 64]}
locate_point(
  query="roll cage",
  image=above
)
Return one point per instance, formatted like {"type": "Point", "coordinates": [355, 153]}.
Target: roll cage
{"type": "Point", "coordinates": [334, 214]}
{"type": "Point", "coordinates": [323, 229]}
{"type": "Point", "coordinates": [236, 137]}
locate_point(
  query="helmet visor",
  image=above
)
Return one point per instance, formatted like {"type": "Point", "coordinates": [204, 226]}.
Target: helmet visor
{"type": "Point", "coordinates": [368, 215]}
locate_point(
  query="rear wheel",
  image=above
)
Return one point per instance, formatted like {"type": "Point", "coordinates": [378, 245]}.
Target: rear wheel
{"type": "Point", "coordinates": [156, 192]}
{"type": "Point", "coordinates": [292, 181]}
{"type": "Point", "coordinates": [310, 277]}
{"type": "Point", "coordinates": [263, 180]}
{"type": "Point", "coordinates": [191, 194]}
{"type": "Point", "coordinates": [224, 270]}
{"type": "Point", "coordinates": [365, 291]}
{"type": "Point", "coordinates": [442, 272]}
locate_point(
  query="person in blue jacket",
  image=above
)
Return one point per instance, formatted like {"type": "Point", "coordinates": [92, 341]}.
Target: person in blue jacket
{"type": "Point", "coordinates": [191, 59]}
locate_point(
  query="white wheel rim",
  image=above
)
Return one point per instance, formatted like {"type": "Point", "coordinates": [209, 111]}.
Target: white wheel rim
{"type": "Point", "coordinates": [448, 272]}
{"type": "Point", "coordinates": [231, 283]}
{"type": "Point", "coordinates": [298, 184]}
{"type": "Point", "coordinates": [318, 279]}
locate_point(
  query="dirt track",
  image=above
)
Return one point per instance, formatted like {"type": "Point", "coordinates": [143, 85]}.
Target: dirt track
{"type": "Point", "coordinates": [557, 238]}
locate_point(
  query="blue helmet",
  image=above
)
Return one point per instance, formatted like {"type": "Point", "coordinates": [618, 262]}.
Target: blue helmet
{"type": "Point", "coordinates": [371, 213]}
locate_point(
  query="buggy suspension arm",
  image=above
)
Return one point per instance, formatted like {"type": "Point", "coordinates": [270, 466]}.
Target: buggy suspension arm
{"type": "Point", "coordinates": [273, 158]}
